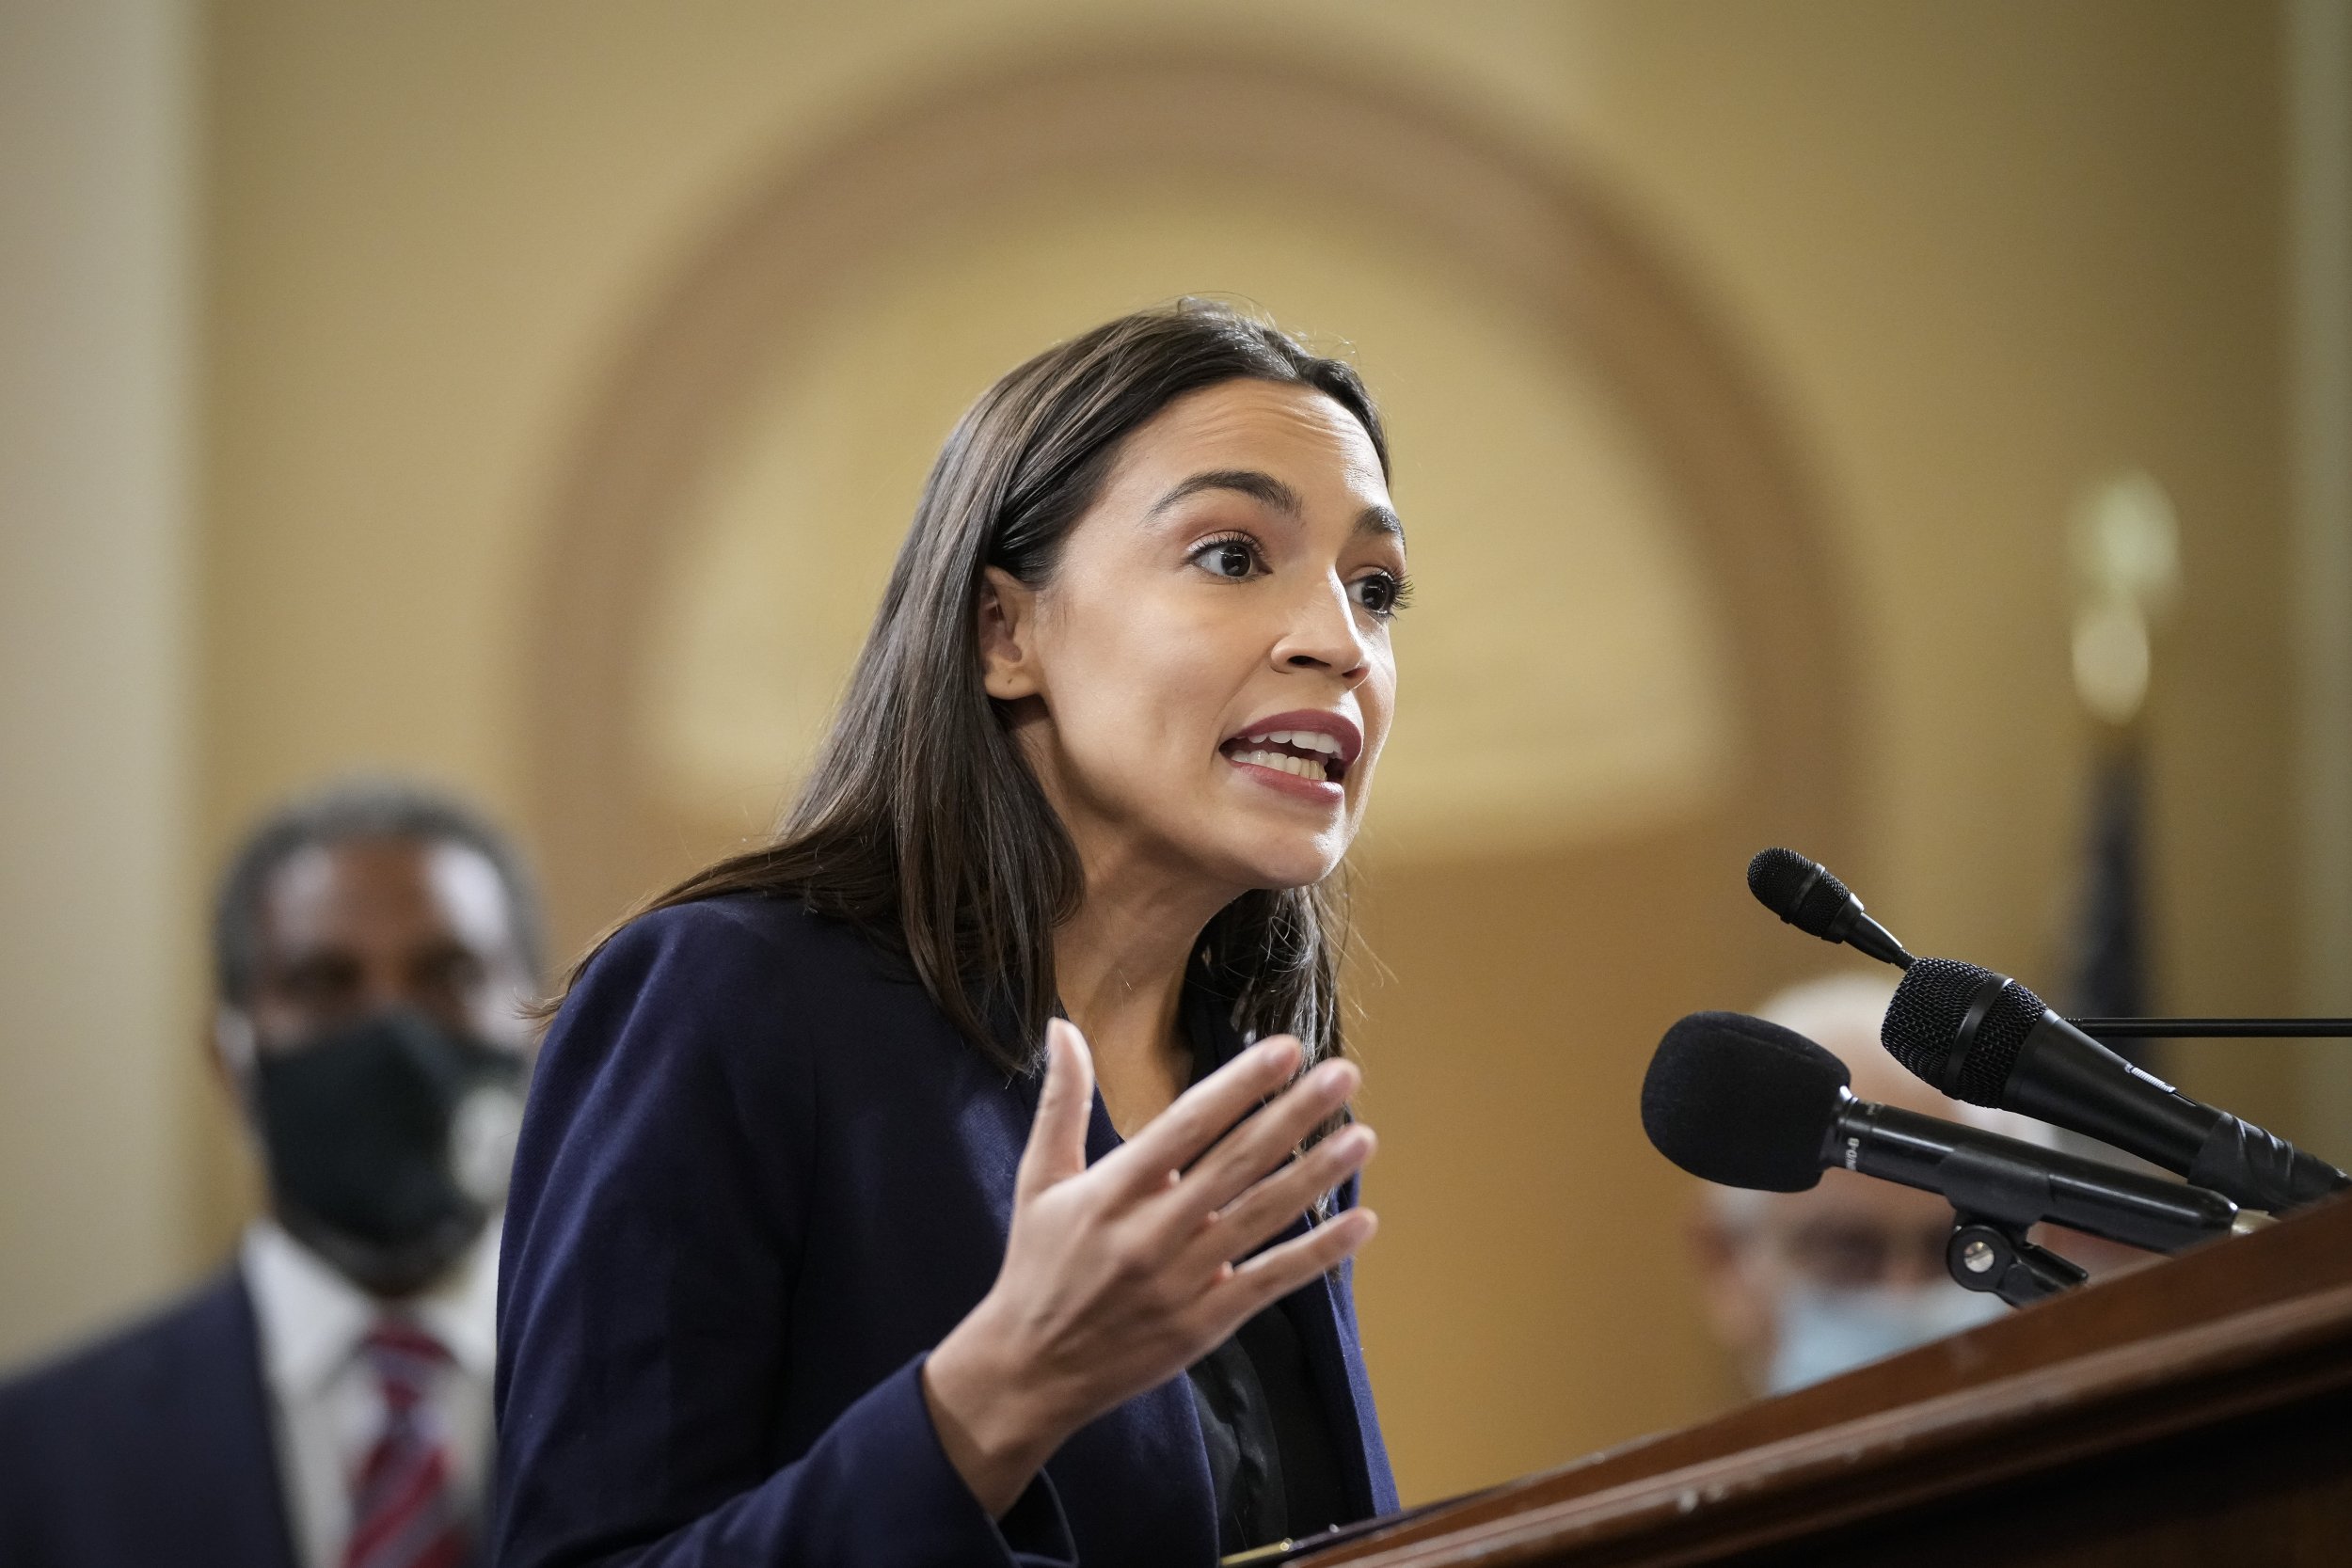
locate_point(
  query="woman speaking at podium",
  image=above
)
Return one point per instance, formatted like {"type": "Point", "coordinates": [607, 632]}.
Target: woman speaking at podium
{"type": "Point", "coordinates": [822, 1248]}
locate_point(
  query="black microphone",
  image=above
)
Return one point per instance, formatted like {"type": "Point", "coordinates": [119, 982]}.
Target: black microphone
{"type": "Point", "coordinates": [1982, 1036]}
{"type": "Point", "coordinates": [1737, 1101]}
{"type": "Point", "coordinates": [1804, 895]}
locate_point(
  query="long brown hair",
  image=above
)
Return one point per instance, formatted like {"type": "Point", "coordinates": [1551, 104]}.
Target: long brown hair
{"type": "Point", "coordinates": [921, 823]}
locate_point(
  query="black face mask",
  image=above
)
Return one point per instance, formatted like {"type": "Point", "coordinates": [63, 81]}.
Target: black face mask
{"type": "Point", "coordinates": [389, 1142]}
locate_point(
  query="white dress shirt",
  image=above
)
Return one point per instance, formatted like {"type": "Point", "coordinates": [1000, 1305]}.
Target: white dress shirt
{"type": "Point", "coordinates": [326, 1401]}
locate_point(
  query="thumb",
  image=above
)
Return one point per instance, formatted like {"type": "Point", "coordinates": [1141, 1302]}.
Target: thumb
{"type": "Point", "coordinates": [1057, 1139]}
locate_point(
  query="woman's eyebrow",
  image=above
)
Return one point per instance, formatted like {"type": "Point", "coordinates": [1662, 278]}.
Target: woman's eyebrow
{"type": "Point", "coordinates": [1249, 482]}
{"type": "Point", "coordinates": [1272, 492]}
{"type": "Point", "coordinates": [1380, 520]}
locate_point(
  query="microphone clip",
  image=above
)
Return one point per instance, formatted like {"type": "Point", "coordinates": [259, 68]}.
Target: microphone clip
{"type": "Point", "coordinates": [1994, 1256]}
{"type": "Point", "coordinates": [1996, 1200]}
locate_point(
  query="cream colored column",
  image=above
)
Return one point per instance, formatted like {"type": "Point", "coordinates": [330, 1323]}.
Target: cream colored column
{"type": "Point", "coordinates": [2319, 170]}
{"type": "Point", "coordinates": [96, 1054]}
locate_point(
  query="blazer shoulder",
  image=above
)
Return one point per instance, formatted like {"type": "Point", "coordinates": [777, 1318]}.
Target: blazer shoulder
{"type": "Point", "coordinates": [209, 1328]}
{"type": "Point", "coordinates": [108, 1396]}
{"type": "Point", "coordinates": [721, 1003]}
{"type": "Point", "coordinates": [742, 941]}
{"type": "Point", "coordinates": [150, 1445]}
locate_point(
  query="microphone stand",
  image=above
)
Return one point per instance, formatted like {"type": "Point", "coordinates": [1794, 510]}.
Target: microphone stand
{"type": "Point", "coordinates": [2214, 1028]}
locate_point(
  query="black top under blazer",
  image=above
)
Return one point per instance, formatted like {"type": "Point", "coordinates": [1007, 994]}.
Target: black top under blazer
{"type": "Point", "coordinates": [760, 1176]}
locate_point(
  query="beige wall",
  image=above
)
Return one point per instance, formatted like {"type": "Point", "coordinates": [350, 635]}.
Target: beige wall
{"type": "Point", "coordinates": [1977, 257]}
{"type": "Point", "coordinates": [96, 1022]}
{"type": "Point", "coordinates": [1983, 261]}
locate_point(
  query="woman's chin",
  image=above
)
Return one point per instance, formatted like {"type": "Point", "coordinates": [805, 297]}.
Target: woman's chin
{"type": "Point", "coordinates": [1292, 859]}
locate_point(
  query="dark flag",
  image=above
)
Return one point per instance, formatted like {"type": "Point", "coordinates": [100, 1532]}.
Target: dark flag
{"type": "Point", "coordinates": [2110, 967]}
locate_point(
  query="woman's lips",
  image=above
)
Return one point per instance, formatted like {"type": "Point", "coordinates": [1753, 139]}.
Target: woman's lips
{"type": "Point", "coordinates": [1322, 792]}
{"type": "Point", "coordinates": [1317, 732]}
{"type": "Point", "coordinates": [1304, 753]}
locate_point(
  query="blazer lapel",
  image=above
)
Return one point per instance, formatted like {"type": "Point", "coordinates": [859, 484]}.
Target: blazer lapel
{"type": "Point", "coordinates": [1326, 1321]}
{"type": "Point", "coordinates": [219, 1405]}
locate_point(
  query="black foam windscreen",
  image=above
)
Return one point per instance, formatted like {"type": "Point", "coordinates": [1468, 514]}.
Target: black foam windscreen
{"type": "Point", "coordinates": [1734, 1100]}
{"type": "Point", "coordinates": [1805, 894]}
{"type": "Point", "coordinates": [1923, 1023]}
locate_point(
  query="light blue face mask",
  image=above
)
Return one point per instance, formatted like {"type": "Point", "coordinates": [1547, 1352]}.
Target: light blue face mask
{"type": "Point", "coordinates": [1824, 1332]}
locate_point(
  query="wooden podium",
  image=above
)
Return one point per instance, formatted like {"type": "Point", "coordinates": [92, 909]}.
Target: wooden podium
{"type": "Point", "coordinates": [2198, 1411]}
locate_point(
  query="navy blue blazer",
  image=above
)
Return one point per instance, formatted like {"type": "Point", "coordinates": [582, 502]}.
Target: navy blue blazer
{"type": "Point", "coordinates": [759, 1178]}
{"type": "Point", "coordinates": [150, 1447]}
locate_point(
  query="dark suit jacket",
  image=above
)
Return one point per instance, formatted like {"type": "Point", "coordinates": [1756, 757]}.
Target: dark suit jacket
{"type": "Point", "coordinates": [150, 1447]}
{"type": "Point", "coordinates": [760, 1176]}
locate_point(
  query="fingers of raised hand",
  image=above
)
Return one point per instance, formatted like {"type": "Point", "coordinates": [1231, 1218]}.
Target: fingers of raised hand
{"type": "Point", "coordinates": [1280, 1270]}
{"type": "Point", "coordinates": [1202, 1113]}
{"type": "Point", "coordinates": [1281, 1197]}
{"type": "Point", "coordinates": [1057, 1146]}
{"type": "Point", "coordinates": [1265, 1140]}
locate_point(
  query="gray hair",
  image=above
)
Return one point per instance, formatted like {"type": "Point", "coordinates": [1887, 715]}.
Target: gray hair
{"type": "Point", "coordinates": [357, 808]}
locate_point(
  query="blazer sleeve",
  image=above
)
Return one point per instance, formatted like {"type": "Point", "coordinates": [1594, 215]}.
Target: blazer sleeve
{"type": "Point", "coordinates": [652, 1241]}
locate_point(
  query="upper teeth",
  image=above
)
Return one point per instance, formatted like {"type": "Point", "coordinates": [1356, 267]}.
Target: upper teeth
{"type": "Point", "coordinates": [1314, 740]}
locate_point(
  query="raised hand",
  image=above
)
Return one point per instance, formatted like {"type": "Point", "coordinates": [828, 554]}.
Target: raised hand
{"type": "Point", "coordinates": [1118, 1276]}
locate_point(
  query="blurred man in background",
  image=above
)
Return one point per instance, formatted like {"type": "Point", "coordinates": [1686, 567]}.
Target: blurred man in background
{"type": "Point", "coordinates": [324, 1402]}
{"type": "Point", "coordinates": [1802, 1286]}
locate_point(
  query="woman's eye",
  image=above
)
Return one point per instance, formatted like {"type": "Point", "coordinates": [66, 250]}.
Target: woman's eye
{"type": "Point", "coordinates": [1227, 558]}
{"type": "Point", "coordinates": [1381, 594]}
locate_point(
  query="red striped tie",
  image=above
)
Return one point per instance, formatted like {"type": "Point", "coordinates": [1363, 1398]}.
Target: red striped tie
{"type": "Point", "coordinates": [403, 1513]}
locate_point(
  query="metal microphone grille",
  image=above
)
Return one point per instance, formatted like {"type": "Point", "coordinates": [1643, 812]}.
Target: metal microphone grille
{"type": "Point", "coordinates": [1780, 877]}
{"type": "Point", "coordinates": [1923, 1023]}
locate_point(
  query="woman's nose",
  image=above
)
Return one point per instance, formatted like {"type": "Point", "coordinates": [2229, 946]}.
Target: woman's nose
{"type": "Point", "coordinates": [1324, 635]}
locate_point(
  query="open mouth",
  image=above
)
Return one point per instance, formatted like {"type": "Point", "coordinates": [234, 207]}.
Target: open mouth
{"type": "Point", "coordinates": [1317, 748]}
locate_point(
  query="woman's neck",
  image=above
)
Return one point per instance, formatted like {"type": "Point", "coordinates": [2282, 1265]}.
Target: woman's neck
{"type": "Point", "coordinates": [1118, 964]}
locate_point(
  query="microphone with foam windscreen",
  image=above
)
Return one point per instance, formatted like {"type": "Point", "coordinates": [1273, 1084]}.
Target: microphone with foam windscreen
{"type": "Point", "coordinates": [1984, 1037]}
{"type": "Point", "coordinates": [1805, 894]}
{"type": "Point", "coordinates": [1744, 1102]}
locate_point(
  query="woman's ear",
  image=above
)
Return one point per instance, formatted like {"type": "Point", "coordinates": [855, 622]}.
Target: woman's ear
{"type": "Point", "coordinates": [1007, 615]}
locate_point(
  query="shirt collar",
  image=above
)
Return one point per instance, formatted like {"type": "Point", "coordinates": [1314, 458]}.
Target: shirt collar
{"type": "Point", "coordinates": [311, 1320]}
{"type": "Point", "coordinates": [462, 1310]}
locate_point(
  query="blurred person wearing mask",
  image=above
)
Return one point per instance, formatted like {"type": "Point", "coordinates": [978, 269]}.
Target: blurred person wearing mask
{"type": "Point", "coordinates": [324, 1400]}
{"type": "Point", "coordinates": [1800, 1287]}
